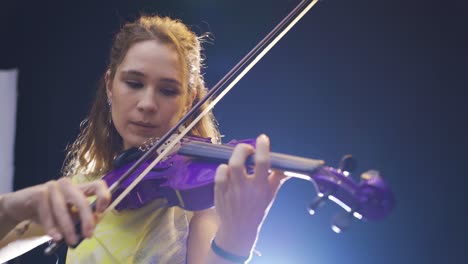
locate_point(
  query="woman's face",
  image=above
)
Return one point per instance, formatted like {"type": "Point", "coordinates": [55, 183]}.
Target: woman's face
{"type": "Point", "coordinates": [147, 94]}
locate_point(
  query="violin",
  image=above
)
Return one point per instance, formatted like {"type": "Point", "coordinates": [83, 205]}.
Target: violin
{"type": "Point", "coordinates": [186, 179]}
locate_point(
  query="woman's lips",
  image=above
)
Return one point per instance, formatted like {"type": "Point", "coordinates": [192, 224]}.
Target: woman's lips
{"type": "Point", "coordinates": [142, 124]}
{"type": "Point", "coordinates": [146, 128]}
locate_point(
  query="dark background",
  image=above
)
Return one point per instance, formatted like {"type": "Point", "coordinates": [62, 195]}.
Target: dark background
{"type": "Point", "coordinates": [382, 80]}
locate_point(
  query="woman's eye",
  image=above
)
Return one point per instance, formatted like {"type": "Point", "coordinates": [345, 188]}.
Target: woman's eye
{"type": "Point", "coordinates": [169, 92]}
{"type": "Point", "coordinates": [134, 85]}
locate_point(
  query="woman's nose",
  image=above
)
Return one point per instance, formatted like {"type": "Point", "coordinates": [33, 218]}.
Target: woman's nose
{"type": "Point", "coordinates": [147, 102]}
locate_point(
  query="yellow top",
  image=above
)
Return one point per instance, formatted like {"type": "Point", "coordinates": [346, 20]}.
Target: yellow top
{"type": "Point", "coordinates": [151, 234]}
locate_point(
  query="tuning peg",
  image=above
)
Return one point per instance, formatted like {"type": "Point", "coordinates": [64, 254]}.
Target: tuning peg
{"type": "Point", "coordinates": [370, 175]}
{"type": "Point", "coordinates": [341, 222]}
{"type": "Point", "coordinates": [318, 202]}
{"type": "Point", "coordinates": [347, 163]}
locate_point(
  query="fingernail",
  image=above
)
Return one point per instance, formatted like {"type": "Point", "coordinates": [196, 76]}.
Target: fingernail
{"type": "Point", "coordinates": [264, 138]}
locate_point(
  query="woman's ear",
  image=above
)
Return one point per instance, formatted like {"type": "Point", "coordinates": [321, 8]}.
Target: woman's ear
{"type": "Point", "coordinates": [108, 81]}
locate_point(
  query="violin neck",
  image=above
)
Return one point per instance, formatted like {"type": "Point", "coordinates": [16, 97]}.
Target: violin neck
{"type": "Point", "coordinates": [222, 153]}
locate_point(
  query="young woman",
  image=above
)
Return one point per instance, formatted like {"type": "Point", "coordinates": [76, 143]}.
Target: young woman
{"type": "Point", "coordinates": [153, 79]}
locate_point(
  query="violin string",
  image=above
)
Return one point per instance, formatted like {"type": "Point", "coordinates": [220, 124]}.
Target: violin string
{"type": "Point", "coordinates": [210, 106]}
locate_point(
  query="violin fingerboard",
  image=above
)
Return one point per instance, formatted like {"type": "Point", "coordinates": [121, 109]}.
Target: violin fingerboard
{"type": "Point", "coordinates": [222, 153]}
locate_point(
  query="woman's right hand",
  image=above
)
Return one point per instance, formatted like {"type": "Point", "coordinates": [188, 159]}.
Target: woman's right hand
{"type": "Point", "coordinates": [54, 205]}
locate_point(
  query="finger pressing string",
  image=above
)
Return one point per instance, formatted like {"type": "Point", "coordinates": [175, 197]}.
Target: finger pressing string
{"type": "Point", "coordinates": [237, 162]}
{"type": "Point", "coordinates": [262, 158]}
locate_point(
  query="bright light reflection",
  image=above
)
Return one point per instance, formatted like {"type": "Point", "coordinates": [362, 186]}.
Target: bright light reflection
{"type": "Point", "coordinates": [357, 215]}
{"type": "Point", "coordinates": [340, 203]}
{"type": "Point", "coordinates": [311, 211]}
{"type": "Point", "coordinates": [336, 229]}
{"type": "Point", "coordinates": [297, 175]}
{"type": "Point", "coordinates": [320, 194]}
{"type": "Point", "coordinates": [346, 173]}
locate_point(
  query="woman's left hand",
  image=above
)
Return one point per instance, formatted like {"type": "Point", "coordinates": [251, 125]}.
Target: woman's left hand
{"type": "Point", "coordinates": [243, 200]}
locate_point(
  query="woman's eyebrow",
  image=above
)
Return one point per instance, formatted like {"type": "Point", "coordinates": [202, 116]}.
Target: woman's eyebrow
{"type": "Point", "coordinates": [133, 72]}
{"type": "Point", "coordinates": [171, 80]}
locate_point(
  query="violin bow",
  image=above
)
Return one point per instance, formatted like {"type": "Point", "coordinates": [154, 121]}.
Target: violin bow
{"type": "Point", "coordinates": [246, 63]}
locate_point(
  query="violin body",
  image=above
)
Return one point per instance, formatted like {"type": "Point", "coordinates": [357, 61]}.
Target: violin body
{"type": "Point", "coordinates": [182, 181]}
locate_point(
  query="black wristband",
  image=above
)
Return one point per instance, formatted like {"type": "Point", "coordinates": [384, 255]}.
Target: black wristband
{"type": "Point", "coordinates": [227, 255]}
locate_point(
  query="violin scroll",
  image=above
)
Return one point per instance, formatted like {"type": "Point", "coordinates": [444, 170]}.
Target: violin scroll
{"type": "Point", "coordinates": [370, 199]}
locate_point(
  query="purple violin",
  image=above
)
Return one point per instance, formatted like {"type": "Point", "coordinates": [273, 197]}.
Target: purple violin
{"type": "Point", "coordinates": [186, 179]}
